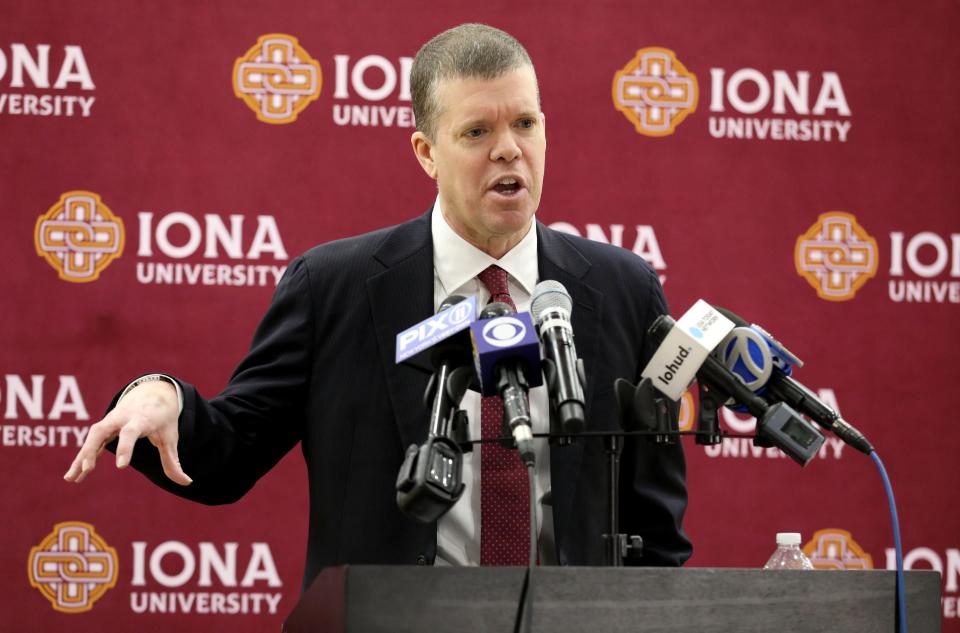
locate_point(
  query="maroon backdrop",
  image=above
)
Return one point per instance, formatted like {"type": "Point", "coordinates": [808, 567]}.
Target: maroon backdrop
{"type": "Point", "coordinates": [796, 164]}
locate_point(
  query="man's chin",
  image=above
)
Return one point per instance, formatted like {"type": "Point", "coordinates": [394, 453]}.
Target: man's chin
{"type": "Point", "coordinates": [509, 221]}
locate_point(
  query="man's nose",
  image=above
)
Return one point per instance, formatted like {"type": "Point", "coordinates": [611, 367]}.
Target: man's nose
{"type": "Point", "coordinates": [506, 148]}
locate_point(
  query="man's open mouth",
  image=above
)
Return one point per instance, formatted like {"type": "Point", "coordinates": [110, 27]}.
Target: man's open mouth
{"type": "Point", "coordinates": [507, 186]}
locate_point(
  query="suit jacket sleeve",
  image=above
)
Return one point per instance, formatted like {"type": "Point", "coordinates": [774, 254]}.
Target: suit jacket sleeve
{"type": "Point", "coordinates": [654, 489]}
{"type": "Point", "coordinates": [226, 444]}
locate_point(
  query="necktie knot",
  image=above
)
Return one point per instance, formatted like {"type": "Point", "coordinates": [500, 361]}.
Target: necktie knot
{"type": "Point", "coordinates": [495, 280]}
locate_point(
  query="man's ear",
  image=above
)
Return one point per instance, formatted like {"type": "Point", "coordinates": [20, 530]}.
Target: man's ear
{"type": "Point", "coordinates": [423, 150]}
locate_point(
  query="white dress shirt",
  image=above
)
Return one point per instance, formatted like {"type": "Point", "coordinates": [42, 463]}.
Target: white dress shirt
{"type": "Point", "coordinates": [456, 264]}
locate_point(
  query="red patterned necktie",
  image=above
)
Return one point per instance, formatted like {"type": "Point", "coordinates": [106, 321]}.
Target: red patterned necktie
{"type": "Point", "coordinates": [504, 494]}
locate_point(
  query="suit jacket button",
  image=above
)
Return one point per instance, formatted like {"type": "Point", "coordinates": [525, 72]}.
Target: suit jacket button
{"type": "Point", "coordinates": [421, 560]}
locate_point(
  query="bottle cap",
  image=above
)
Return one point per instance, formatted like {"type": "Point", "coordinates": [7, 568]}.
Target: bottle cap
{"type": "Point", "coordinates": [788, 538]}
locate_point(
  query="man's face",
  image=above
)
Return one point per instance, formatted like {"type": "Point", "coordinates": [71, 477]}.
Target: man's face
{"type": "Point", "coordinates": [487, 156]}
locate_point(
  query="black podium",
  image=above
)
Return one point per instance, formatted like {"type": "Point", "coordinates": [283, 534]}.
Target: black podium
{"type": "Point", "coordinates": [367, 599]}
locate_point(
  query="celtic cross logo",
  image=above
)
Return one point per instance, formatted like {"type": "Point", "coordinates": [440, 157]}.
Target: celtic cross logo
{"type": "Point", "coordinates": [836, 549]}
{"type": "Point", "coordinates": [655, 91]}
{"type": "Point", "coordinates": [79, 236]}
{"type": "Point", "coordinates": [277, 78]}
{"type": "Point", "coordinates": [836, 256]}
{"type": "Point", "coordinates": [73, 567]}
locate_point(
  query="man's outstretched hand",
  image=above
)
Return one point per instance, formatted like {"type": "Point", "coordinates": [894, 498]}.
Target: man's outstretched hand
{"type": "Point", "coordinates": [149, 410]}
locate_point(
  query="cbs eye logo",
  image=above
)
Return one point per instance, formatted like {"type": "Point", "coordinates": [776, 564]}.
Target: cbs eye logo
{"type": "Point", "coordinates": [504, 331]}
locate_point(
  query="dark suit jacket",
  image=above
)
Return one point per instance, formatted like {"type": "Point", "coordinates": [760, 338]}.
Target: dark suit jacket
{"type": "Point", "coordinates": [321, 371]}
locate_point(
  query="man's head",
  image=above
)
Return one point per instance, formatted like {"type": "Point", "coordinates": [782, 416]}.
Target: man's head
{"type": "Point", "coordinates": [468, 50]}
{"type": "Point", "coordinates": [480, 132]}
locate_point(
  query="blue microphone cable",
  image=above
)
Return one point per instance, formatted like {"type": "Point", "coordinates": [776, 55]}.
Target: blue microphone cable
{"type": "Point", "coordinates": [901, 593]}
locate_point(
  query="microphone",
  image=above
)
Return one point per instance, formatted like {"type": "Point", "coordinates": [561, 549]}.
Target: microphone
{"type": "Point", "coordinates": [430, 479]}
{"type": "Point", "coordinates": [551, 305]}
{"type": "Point", "coordinates": [769, 368]}
{"type": "Point", "coordinates": [506, 353]}
{"type": "Point", "coordinates": [421, 345]}
{"type": "Point", "coordinates": [778, 422]}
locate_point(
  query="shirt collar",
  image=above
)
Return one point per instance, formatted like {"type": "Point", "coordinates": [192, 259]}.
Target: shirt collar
{"type": "Point", "coordinates": [457, 261]}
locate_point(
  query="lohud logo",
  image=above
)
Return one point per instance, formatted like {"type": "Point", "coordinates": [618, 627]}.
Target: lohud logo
{"type": "Point", "coordinates": [79, 236]}
{"type": "Point", "coordinates": [836, 256]}
{"type": "Point", "coordinates": [277, 78]}
{"type": "Point", "coordinates": [655, 92]}
{"type": "Point", "coordinates": [72, 567]}
{"type": "Point", "coordinates": [833, 548]}
{"type": "Point", "coordinates": [670, 369]}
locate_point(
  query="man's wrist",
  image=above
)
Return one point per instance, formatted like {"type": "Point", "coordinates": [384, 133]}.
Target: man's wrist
{"type": "Point", "coordinates": [151, 378]}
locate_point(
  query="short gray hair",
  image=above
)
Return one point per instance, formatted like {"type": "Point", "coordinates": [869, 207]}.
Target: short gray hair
{"type": "Point", "coordinates": [468, 50]}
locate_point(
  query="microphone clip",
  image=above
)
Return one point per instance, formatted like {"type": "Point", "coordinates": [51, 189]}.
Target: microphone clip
{"type": "Point", "coordinates": [643, 408]}
{"type": "Point", "coordinates": [429, 482]}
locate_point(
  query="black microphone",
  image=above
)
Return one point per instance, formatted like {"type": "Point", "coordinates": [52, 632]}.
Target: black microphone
{"type": "Point", "coordinates": [452, 359]}
{"type": "Point", "coordinates": [511, 383]}
{"type": "Point", "coordinates": [430, 479]}
{"type": "Point", "coordinates": [778, 422]}
{"type": "Point", "coordinates": [551, 305]}
{"type": "Point", "coordinates": [780, 387]}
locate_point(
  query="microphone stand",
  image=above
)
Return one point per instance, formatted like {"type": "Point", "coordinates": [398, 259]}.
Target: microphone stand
{"type": "Point", "coordinates": [616, 545]}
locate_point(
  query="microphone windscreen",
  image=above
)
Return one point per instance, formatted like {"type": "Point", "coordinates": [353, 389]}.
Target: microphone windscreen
{"type": "Point", "coordinates": [452, 300]}
{"type": "Point", "coordinates": [495, 309]}
{"type": "Point", "coordinates": [549, 294]}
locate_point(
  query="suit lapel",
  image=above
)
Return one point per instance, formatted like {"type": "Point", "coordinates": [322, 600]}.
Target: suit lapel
{"type": "Point", "coordinates": [558, 260]}
{"type": "Point", "coordinates": [400, 296]}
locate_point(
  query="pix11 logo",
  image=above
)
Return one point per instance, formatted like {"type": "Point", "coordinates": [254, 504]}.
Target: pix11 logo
{"type": "Point", "coordinates": [72, 567]}
{"type": "Point", "coordinates": [79, 236]}
{"type": "Point", "coordinates": [277, 78]}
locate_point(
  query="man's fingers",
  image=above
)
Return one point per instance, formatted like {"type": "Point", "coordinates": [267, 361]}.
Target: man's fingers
{"type": "Point", "coordinates": [74, 470]}
{"type": "Point", "coordinates": [98, 435]}
{"type": "Point", "coordinates": [144, 417]}
{"type": "Point", "coordinates": [129, 434]}
{"type": "Point", "coordinates": [171, 464]}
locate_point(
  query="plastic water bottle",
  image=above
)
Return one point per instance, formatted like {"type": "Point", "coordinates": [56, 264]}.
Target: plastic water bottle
{"type": "Point", "coordinates": [788, 554]}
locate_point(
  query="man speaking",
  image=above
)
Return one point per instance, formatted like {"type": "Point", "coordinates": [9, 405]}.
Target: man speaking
{"type": "Point", "coordinates": [321, 371]}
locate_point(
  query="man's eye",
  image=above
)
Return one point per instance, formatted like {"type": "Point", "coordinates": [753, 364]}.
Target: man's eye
{"type": "Point", "coordinates": [527, 123]}
{"type": "Point", "coordinates": [475, 133]}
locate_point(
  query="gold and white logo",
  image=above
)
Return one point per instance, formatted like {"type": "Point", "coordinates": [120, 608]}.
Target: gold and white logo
{"type": "Point", "coordinates": [79, 236]}
{"type": "Point", "coordinates": [73, 567]}
{"type": "Point", "coordinates": [277, 78]}
{"type": "Point", "coordinates": [655, 91]}
{"type": "Point", "coordinates": [833, 548]}
{"type": "Point", "coordinates": [836, 256]}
